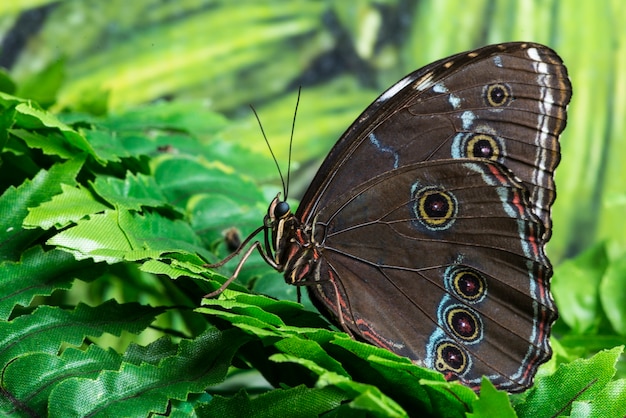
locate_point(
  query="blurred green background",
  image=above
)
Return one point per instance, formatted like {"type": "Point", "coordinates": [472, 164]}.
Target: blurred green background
{"type": "Point", "coordinates": [109, 56]}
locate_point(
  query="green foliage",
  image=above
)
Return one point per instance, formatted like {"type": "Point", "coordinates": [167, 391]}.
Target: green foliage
{"type": "Point", "coordinates": [111, 207]}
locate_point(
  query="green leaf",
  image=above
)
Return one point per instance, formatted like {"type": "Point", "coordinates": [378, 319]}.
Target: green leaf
{"type": "Point", "coordinates": [134, 192]}
{"type": "Point", "coordinates": [580, 380]}
{"type": "Point", "coordinates": [47, 328]}
{"type": "Point", "coordinates": [69, 206]}
{"type": "Point", "coordinates": [312, 350]}
{"type": "Point", "coordinates": [184, 176]}
{"type": "Point", "coordinates": [152, 353]}
{"type": "Point", "coordinates": [52, 143]}
{"type": "Point", "coordinates": [39, 273]}
{"type": "Point", "coordinates": [23, 377]}
{"type": "Point", "coordinates": [610, 402]}
{"type": "Point", "coordinates": [15, 202]}
{"type": "Point", "coordinates": [191, 117]}
{"type": "Point", "coordinates": [116, 236]}
{"type": "Point", "coordinates": [299, 401]}
{"type": "Point", "coordinates": [139, 390]}
{"type": "Point", "coordinates": [335, 355]}
{"type": "Point", "coordinates": [365, 397]}
{"type": "Point", "coordinates": [30, 117]}
{"type": "Point", "coordinates": [267, 311]}
{"type": "Point", "coordinates": [416, 388]}
{"type": "Point", "coordinates": [492, 403]}
{"type": "Point", "coordinates": [108, 146]}
{"type": "Point", "coordinates": [7, 85]}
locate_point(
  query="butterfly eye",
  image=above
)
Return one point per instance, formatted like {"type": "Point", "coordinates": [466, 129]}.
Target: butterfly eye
{"type": "Point", "coordinates": [281, 210]}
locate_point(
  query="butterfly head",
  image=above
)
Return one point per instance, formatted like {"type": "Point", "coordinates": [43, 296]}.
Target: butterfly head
{"type": "Point", "coordinates": [278, 217]}
{"type": "Point", "coordinates": [278, 210]}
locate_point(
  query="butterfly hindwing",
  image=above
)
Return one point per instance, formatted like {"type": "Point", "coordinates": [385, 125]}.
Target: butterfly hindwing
{"type": "Point", "coordinates": [448, 235]}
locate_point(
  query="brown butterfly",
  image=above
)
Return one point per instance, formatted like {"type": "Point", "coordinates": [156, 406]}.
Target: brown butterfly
{"type": "Point", "coordinates": [423, 231]}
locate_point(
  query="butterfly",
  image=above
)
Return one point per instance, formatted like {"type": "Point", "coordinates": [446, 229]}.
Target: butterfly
{"type": "Point", "coordinates": [423, 231]}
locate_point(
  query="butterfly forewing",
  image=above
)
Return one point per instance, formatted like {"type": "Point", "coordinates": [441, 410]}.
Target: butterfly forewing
{"type": "Point", "coordinates": [424, 229]}
{"type": "Point", "coordinates": [503, 102]}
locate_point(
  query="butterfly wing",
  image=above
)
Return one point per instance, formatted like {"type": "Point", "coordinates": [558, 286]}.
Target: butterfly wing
{"type": "Point", "coordinates": [448, 272]}
{"type": "Point", "coordinates": [430, 214]}
{"type": "Point", "coordinates": [503, 102]}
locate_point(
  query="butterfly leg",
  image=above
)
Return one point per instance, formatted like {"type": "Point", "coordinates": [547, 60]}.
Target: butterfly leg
{"type": "Point", "coordinates": [257, 245]}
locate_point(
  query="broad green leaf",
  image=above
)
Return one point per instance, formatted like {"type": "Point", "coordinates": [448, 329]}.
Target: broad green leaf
{"type": "Point", "coordinates": [71, 205]}
{"type": "Point", "coordinates": [192, 117]}
{"type": "Point", "coordinates": [107, 145]}
{"type": "Point", "coordinates": [139, 390]}
{"type": "Point", "coordinates": [10, 101]}
{"type": "Point", "coordinates": [182, 177]}
{"type": "Point", "coordinates": [580, 380]}
{"type": "Point", "coordinates": [365, 397]}
{"type": "Point", "coordinates": [492, 403]}
{"type": "Point", "coordinates": [401, 377]}
{"type": "Point", "coordinates": [153, 353]}
{"type": "Point", "coordinates": [31, 377]}
{"type": "Point", "coordinates": [7, 85]}
{"type": "Point", "coordinates": [312, 350]}
{"type": "Point", "coordinates": [173, 271]}
{"type": "Point", "coordinates": [15, 202]}
{"type": "Point", "coordinates": [115, 236]}
{"type": "Point", "coordinates": [414, 387]}
{"type": "Point", "coordinates": [134, 192]}
{"type": "Point", "coordinates": [52, 143]}
{"type": "Point", "coordinates": [43, 86]}
{"type": "Point", "coordinates": [30, 117]}
{"type": "Point", "coordinates": [213, 213]}
{"type": "Point", "coordinates": [39, 273]}
{"type": "Point", "coordinates": [299, 401]}
{"type": "Point", "coordinates": [277, 312]}
{"type": "Point", "coordinates": [611, 402]}
{"type": "Point", "coordinates": [48, 328]}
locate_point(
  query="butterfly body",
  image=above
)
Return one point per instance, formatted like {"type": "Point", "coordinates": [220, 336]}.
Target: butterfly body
{"type": "Point", "coordinates": [423, 231]}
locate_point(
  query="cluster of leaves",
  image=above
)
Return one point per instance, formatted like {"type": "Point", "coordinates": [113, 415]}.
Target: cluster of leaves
{"type": "Point", "coordinates": [106, 229]}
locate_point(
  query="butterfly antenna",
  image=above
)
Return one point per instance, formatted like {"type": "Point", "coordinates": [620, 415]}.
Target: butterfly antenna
{"type": "Point", "coordinates": [293, 128]}
{"type": "Point", "coordinates": [280, 173]}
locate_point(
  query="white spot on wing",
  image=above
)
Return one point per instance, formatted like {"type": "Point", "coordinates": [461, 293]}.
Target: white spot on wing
{"type": "Point", "coordinates": [497, 60]}
{"type": "Point", "coordinates": [455, 101]}
{"type": "Point", "coordinates": [440, 88]}
{"type": "Point", "coordinates": [534, 54]}
{"type": "Point", "coordinates": [393, 90]}
{"type": "Point", "coordinates": [468, 118]}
